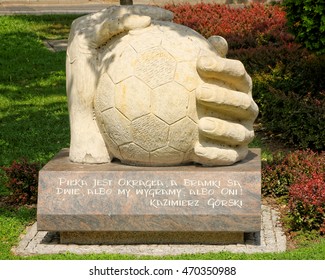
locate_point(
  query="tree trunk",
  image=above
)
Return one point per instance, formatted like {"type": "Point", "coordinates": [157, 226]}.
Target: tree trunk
{"type": "Point", "coordinates": [126, 2]}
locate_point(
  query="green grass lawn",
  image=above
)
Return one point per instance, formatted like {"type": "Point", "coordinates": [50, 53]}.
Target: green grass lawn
{"type": "Point", "coordinates": [34, 124]}
{"type": "Point", "coordinates": [33, 109]}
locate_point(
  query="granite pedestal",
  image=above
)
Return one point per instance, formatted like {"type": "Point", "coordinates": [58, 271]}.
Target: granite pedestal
{"type": "Point", "coordinates": [119, 204]}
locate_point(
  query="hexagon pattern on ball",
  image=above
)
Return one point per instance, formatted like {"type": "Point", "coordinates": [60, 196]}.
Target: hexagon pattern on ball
{"type": "Point", "coordinates": [153, 90]}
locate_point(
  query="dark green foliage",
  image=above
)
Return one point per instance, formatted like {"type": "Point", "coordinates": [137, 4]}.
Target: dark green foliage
{"type": "Point", "coordinates": [289, 67]}
{"type": "Point", "coordinates": [290, 90]}
{"type": "Point", "coordinates": [291, 97]}
{"type": "Point", "coordinates": [306, 19]}
{"type": "Point", "coordinates": [297, 120]}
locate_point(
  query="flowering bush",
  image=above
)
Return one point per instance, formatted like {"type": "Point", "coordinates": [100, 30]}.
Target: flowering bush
{"type": "Point", "coordinates": [284, 171]}
{"type": "Point", "coordinates": [299, 177]}
{"type": "Point", "coordinates": [307, 203]}
{"type": "Point", "coordinates": [22, 181]}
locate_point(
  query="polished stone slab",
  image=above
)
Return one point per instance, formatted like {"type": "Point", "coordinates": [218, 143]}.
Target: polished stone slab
{"type": "Point", "coordinates": [271, 238]}
{"type": "Point", "coordinates": [119, 198]}
{"type": "Point", "coordinates": [149, 237]}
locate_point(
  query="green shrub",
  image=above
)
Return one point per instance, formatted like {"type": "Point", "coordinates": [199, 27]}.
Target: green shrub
{"type": "Point", "coordinates": [290, 67]}
{"type": "Point", "coordinates": [290, 92]}
{"type": "Point", "coordinates": [22, 181]}
{"type": "Point", "coordinates": [298, 120]}
{"type": "Point", "coordinates": [307, 22]}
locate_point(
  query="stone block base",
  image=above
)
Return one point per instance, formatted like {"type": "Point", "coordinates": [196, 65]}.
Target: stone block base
{"type": "Point", "coordinates": [116, 204]}
{"type": "Point", "coordinates": [131, 238]}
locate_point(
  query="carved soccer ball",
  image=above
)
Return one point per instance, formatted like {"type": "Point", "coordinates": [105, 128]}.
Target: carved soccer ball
{"type": "Point", "coordinates": [145, 101]}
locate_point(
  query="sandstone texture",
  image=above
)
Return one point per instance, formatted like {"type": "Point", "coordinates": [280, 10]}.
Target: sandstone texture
{"type": "Point", "coordinates": [151, 92]}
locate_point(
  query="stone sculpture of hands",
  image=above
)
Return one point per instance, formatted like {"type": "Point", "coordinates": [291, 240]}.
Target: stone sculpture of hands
{"type": "Point", "coordinates": [227, 129]}
{"type": "Point", "coordinates": [226, 112]}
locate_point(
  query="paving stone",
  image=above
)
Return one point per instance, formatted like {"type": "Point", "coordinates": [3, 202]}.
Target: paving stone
{"type": "Point", "coordinates": [56, 45]}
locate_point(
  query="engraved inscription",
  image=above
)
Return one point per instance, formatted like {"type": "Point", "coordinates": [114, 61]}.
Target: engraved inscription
{"type": "Point", "coordinates": [202, 191]}
{"type": "Point", "coordinates": [74, 182]}
{"type": "Point", "coordinates": [140, 183]}
{"type": "Point", "coordinates": [68, 191]}
{"type": "Point", "coordinates": [102, 183]}
{"type": "Point", "coordinates": [173, 203]}
{"type": "Point", "coordinates": [99, 191]}
{"type": "Point", "coordinates": [214, 203]}
{"type": "Point", "coordinates": [156, 193]}
{"type": "Point", "coordinates": [125, 192]}
{"type": "Point", "coordinates": [202, 183]}
{"type": "Point", "coordinates": [119, 198]}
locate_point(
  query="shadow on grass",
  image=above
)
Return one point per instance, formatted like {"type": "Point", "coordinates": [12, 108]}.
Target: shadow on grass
{"type": "Point", "coordinates": [26, 63]}
{"type": "Point", "coordinates": [34, 132]}
{"type": "Point", "coordinates": [33, 109]}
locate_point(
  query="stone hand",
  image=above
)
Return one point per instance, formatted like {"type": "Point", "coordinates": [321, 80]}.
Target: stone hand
{"type": "Point", "coordinates": [87, 34]}
{"type": "Point", "coordinates": [225, 107]}
{"type": "Point", "coordinates": [97, 29]}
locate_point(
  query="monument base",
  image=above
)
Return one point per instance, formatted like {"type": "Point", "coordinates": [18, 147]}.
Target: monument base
{"type": "Point", "coordinates": [119, 204]}
{"type": "Point", "coordinates": [132, 238]}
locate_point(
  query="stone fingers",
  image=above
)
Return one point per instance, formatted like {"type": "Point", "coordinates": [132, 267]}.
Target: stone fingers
{"type": "Point", "coordinates": [96, 29]}
{"type": "Point", "coordinates": [228, 70]}
{"type": "Point", "coordinates": [225, 131]}
{"type": "Point", "coordinates": [155, 13]}
{"type": "Point", "coordinates": [212, 154]}
{"type": "Point", "coordinates": [229, 102]}
{"type": "Point", "coordinates": [127, 22]}
{"type": "Point", "coordinates": [103, 31]}
{"type": "Point", "coordinates": [126, 18]}
{"type": "Point", "coordinates": [131, 22]}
